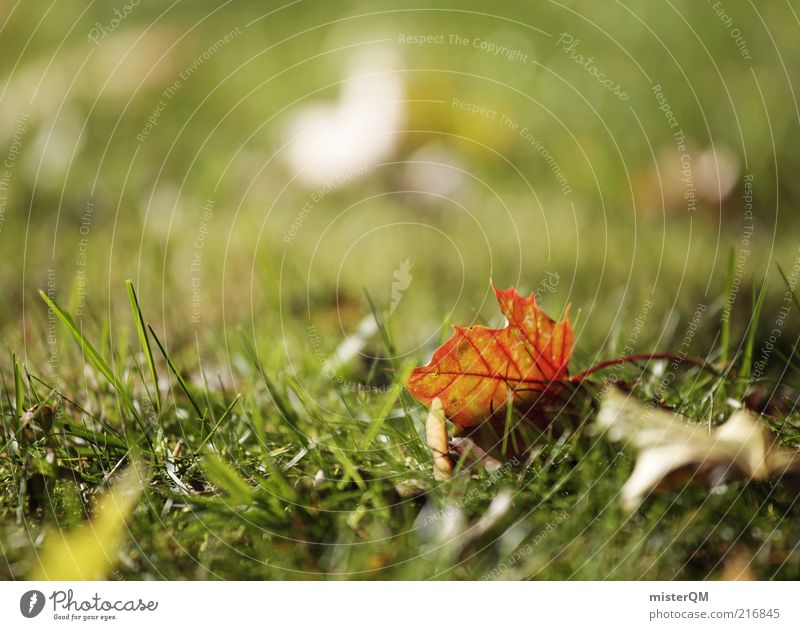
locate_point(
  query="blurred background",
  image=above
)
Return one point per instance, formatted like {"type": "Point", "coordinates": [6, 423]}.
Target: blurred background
{"type": "Point", "coordinates": [267, 165]}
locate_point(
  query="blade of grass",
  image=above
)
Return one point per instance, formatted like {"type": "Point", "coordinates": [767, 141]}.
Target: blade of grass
{"type": "Point", "coordinates": [276, 483]}
{"type": "Point", "coordinates": [91, 353]}
{"type": "Point", "coordinates": [350, 470]}
{"type": "Point", "coordinates": [104, 440]}
{"type": "Point", "coordinates": [790, 288]}
{"type": "Point", "coordinates": [144, 341]}
{"type": "Point", "coordinates": [746, 371]}
{"type": "Point", "coordinates": [725, 332]}
{"type": "Point", "coordinates": [19, 388]}
{"type": "Point", "coordinates": [176, 374]}
{"type": "Point", "coordinates": [284, 408]}
{"type": "Point", "coordinates": [416, 440]}
{"type": "Point", "coordinates": [380, 419]}
{"type": "Point", "coordinates": [227, 479]}
{"type": "Point", "coordinates": [508, 428]}
{"type": "Point", "coordinates": [219, 422]}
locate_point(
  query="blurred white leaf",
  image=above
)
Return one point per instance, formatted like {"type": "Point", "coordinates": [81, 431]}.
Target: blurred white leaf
{"type": "Point", "coordinates": [328, 142]}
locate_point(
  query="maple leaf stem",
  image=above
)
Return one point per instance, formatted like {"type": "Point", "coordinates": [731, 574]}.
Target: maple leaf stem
{"type": "Point", "coordinates": [636, 358]}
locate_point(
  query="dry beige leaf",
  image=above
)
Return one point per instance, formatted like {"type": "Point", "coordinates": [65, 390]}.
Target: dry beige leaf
{"type": "Point", "coordinates": [436, 434]}
{"type": "Point", "coordinates": [668, 443]}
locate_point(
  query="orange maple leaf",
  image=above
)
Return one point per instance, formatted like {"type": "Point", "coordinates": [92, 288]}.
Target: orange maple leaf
{"type": "Point", "coordinates": [478, 369]}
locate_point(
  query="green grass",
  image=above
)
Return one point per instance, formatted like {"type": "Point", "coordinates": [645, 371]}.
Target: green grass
{"type": "Point", "coordinates": [285, 484]}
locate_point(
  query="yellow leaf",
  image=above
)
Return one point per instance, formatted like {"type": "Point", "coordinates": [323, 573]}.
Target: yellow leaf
{"type": "Point", "coordinates": [89, 551]}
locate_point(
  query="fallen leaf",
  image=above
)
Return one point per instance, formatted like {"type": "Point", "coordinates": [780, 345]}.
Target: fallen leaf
{"type": "Point", "coordinates": [479, 369]}
{"type": "Point", "coordinates": [90, 551]}
{"type": "Point", "coordinates": [669, 444]}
